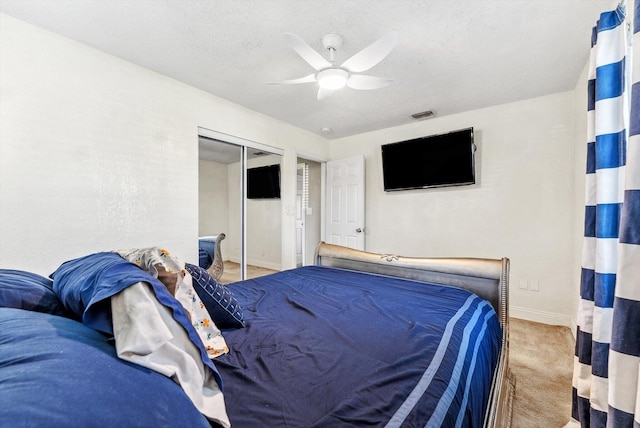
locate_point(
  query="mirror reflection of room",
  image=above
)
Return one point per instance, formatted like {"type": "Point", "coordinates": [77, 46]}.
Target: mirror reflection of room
{"type": "Point", "coordinates": [263, 214]}
{"type": "Point", "coordinates": [220, 227]}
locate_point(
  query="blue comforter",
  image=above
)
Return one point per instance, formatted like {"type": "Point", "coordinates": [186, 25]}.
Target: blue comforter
{"type": "Point", "coordinates": [322, 347]}
{"type": "Point", "coordinates": [325, 347]}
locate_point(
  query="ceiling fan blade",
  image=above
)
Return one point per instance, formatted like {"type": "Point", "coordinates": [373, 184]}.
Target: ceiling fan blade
{"type": "Point", "coordinates": [307, 53]}
{"type": "Point", "coordinates": [323, 93]}
{"type": "Point", "coordinates": [361, 82]}
{"type": "Point", "coordinates": [306, 79]}
{"type": "Point", "coordinates": [372, 54]}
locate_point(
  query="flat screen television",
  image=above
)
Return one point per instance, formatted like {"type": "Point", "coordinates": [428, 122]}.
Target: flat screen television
{"type": "Point", "coordinates": [432, 161]}
{"type": "Point", "coordinates": [263, 182]}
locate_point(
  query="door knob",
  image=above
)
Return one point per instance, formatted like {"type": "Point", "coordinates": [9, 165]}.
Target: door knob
{"type": "Point", "coordinates": [359, 230]}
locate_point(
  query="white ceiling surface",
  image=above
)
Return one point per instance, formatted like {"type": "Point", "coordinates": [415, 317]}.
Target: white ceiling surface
{"type": "Point", "coordinates": [452, 56]}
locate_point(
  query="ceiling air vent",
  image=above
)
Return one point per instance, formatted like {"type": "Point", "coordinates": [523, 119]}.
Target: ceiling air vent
{"type": "Point", "coordinates": [423, 114]}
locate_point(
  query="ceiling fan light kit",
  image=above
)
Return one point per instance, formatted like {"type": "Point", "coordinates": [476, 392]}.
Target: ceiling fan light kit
{"type": "Point", "coordinates": [331, 77]}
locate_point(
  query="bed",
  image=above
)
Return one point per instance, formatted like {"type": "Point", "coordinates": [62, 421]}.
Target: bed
{"type": "Point", "coordinates": [210, 254]}
{"type": "Point", "coordinates": [359, 339]}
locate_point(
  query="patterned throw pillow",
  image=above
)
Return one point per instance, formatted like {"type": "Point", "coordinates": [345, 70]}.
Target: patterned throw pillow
{"type": "Point", "coordinates": [223, 307]}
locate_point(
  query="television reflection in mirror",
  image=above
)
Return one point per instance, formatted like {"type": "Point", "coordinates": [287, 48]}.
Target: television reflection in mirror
{"type": "Point", "coordinates": [263, 182]}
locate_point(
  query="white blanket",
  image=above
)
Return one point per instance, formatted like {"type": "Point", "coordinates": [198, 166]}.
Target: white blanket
{"type": "Point", "coordinates": [146, 334]}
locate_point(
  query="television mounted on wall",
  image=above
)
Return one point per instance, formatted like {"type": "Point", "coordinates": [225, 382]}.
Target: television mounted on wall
{"type": "Point", "coordinates": [263, 182]}
{"type": "Point", "coordinates": [431, 161]}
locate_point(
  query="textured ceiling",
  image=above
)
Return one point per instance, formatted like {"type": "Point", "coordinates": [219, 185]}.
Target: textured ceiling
{"type": "Point", "coordinates": [452, 56]}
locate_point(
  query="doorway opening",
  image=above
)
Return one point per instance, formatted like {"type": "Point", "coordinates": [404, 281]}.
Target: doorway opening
{"type": "Point", "coordinates": [309, 209]}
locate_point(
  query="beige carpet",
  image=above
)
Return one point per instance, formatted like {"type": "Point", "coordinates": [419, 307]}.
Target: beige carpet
{"type": "Point", "coordinates": [541, 357]}
{"type": "Point", "coordinates": [231, 272]}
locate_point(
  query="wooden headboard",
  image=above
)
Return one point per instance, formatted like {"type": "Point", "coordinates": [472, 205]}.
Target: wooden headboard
{"type": "Point", "coordinates": [488, 278]}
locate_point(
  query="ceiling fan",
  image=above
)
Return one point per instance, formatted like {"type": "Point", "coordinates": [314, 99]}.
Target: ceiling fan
{"type": "Point", "coordinates": [330, 76]}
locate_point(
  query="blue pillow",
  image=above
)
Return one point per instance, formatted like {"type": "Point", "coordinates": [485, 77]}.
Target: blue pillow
{"type": "Point", "coordinates": [223, 307]}
{"type": "Point", "coordinates": [56, 372]}
{"type": "Point", "coordinates": [29, 291]}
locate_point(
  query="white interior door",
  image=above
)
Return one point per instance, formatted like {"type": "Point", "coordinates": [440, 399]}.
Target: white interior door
{"type": "Point", "coordinates": [345, 202]}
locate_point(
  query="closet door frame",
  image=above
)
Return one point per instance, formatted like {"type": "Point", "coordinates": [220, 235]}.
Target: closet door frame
{"type": "Point", "coordinates": [244, 144]}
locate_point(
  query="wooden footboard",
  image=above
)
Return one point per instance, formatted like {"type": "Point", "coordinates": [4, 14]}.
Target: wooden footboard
{"type": "Point", "coordinates": [488, 278]}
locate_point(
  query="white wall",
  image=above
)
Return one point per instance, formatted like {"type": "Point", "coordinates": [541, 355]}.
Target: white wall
{"type": "Point", "coordinates": [522, 206]}
{"type": "Point", "coordinates": [580, 167]}
{"type": "Point", "coordinates": [99, 154]}
{"type": "Point", "coordinates": [213, 197]}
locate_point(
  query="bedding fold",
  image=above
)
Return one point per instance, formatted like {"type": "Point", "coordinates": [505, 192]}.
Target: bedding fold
{"type": "Point", "coordinates": [163, 346]}
{"type": "Point", "coordinates": [167, 342]}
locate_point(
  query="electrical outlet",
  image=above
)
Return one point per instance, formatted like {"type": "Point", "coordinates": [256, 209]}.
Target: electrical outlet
{"type": "Point", "coordinates": [523, 284]}
{"type": "Point", "coordinates": [534, 285]}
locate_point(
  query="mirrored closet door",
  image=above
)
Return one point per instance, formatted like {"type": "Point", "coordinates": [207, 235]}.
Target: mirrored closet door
{"type": "Point", "coordinates": [240, 220]}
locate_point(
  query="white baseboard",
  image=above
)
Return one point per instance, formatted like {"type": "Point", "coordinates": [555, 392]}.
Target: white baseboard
{"type": "Point", "coordinates": [573, 326]}
{"type": "Point", "coordinates": [541, 316]}
{"type": "Point", "coordinates": [265, 264]}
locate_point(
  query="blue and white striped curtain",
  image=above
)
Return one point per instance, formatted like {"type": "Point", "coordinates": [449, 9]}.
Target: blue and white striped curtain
{"type": "Point", "coordinates": [606, 377]}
